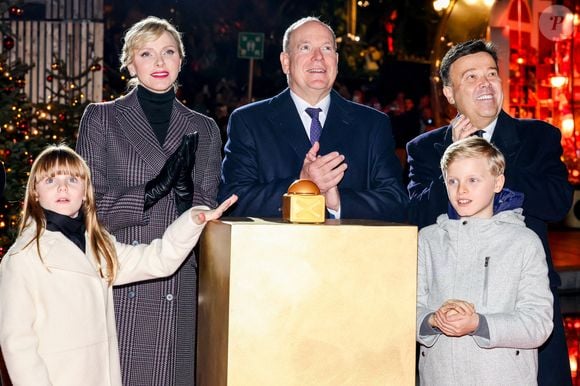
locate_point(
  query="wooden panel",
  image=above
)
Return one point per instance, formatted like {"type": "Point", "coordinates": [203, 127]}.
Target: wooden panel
{"type": "Point", "coordinates": [39, 43]}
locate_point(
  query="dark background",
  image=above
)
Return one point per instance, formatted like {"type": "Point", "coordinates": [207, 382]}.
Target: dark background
{"type": "Point", "coordinates": [213, 76]}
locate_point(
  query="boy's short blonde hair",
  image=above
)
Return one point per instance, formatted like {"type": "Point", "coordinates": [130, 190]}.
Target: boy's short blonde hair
{"type": "Point", "coordinates": [474, 147]}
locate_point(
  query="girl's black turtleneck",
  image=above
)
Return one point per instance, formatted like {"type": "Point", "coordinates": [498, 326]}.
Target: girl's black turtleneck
{"type": "Point", "coordinates": [72, 228]}
{"type": "Point", "coordinates": [157, 108]}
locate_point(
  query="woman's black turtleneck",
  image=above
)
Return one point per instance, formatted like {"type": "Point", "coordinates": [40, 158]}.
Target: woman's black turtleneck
{"type": "Point", "coordinates": [72, 228]}
{"type": "Point", "coordinates": [157, 108]}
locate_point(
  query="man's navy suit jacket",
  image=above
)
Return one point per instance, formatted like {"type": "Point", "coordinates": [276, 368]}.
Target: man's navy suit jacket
{"type": "Point", "coordinates": [267, 144]}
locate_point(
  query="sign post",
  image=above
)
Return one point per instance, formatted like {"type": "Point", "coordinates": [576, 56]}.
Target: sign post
{"type": "Point", "coordinates": [250, 46]}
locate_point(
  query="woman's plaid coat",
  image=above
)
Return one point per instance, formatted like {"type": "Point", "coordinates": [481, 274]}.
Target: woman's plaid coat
{"type": "Point", "coordinates": [156, 320]}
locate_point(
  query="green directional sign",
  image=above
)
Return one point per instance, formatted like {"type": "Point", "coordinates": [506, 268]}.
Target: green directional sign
{"type": "Point", "coordinates": [250, 45]}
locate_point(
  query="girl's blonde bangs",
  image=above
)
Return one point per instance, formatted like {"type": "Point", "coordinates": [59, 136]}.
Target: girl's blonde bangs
{"type": "Point", "coordinates": [59, 164]}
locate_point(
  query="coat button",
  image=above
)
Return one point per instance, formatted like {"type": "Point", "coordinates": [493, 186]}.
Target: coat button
{"type": "Point", "coordinates": [169, 297]}
{"type": "Point", "coordinates": [135, 242]}
{"type": "Point", "coordinates": [464, 222]}
{"type": "Point", "coordinates": [131, 294]}
{"type": "Point", "coordinates": [423, 353]}
{"type": "Point", "coordinates": [517, 352]}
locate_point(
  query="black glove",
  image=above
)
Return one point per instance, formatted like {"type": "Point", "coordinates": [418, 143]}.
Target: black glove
{"type": "Point", "coordinates": [161, 185]}
{"type": "Point", "coordinates": [184, 184]}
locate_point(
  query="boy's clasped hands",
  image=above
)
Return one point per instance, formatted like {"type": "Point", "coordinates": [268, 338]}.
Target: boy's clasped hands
{"type": "Point", "coordinates": [455, 318]}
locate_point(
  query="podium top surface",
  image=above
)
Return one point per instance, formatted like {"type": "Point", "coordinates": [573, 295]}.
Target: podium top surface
{"type": "Point", "coordinates": [329, 222]}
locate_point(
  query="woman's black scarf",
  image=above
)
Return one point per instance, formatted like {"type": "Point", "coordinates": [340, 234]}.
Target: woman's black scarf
{"type": "Point", "coordinates": [72, 228]}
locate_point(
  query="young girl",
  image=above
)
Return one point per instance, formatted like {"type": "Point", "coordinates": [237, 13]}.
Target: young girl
{"type": "Point", "coordinates": [57, 323]}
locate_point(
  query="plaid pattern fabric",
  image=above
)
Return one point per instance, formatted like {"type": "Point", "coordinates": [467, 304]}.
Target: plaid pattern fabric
{"type": "Point", "coordinates": [155, 319]}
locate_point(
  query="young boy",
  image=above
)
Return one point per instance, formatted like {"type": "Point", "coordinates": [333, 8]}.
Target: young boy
{"type": "Point", "coordinates": [483, 299]}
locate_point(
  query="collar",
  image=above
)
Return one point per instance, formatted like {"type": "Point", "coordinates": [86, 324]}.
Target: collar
{"type": "Point", "coordinates": [301, 106]}
{"type": "Point", "coordinates": [147, 95]}
{"type": "Point", "coordinates": [489, 129]}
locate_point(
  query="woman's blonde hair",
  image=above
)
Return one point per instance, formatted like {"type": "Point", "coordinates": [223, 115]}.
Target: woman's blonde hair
{"type": "Point", "coordinates": [474, 147]}
{"type": "Point", "coordinates": [144, 31]}
{"type": "Point", "coordinates": [62, 160]}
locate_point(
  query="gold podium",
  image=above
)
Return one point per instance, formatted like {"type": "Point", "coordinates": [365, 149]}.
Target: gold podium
{"type": "Point", "coordinates": [295, 304]}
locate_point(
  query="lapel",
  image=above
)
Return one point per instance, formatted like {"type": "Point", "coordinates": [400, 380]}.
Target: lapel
{"type": "Point", "coordinates": [58, 252]}
{"type": "Point", "coordinates": [505, 136]}
{"type": "Point", "coordinates": [284, 118]}
{"type": "Point", "coordinates": [444, 142]}
{"type": "Point", "coordinates": [338, 124]}
{"type": "Point", "coordinates": [134, 125]}
{"type": "Point", "coordinates": [178, 122]}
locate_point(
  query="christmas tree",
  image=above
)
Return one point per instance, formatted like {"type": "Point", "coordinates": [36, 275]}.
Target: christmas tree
{"type": "Point", "coordinates": [27, 128]}
{"type": "Point", "coordinates": [17, 144]}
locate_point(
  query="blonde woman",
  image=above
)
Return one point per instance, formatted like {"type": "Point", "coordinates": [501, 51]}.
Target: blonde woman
{"type": "Point", "coordinates": [142, 183]}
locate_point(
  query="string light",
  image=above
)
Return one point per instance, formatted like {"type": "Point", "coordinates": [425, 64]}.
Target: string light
{"type": "Point", "coordinates": [440, 5]}
{"type": "Point", "coordinates": [558, 80]}
{"type": "Point", "coordinates": [32, 126]}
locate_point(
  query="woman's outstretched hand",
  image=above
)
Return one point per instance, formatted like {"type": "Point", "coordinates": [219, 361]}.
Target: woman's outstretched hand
{"type": "Point", "coordinates": [201, 216]}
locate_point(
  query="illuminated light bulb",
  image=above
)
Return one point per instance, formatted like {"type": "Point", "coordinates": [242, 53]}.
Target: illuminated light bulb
{"type": "Point", "coordinates": [567, 125]}
{"type": "Point", "coordinates": [558, 80]}
{"type": "Point", "coordinates": [573, 363]}
{"type": "Point", "coordinates": [440, 5]}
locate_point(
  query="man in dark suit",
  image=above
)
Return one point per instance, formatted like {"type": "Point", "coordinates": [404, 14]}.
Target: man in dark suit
{"type": "Point", "coordinates": [532, 149]}
{"type": "Point", "coordinates": [274, 142]}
